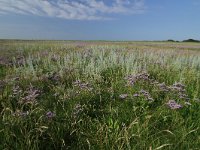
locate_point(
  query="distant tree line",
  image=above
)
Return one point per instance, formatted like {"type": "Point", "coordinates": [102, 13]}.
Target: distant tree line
{"type": "Point", "coordinates": [188, 40]}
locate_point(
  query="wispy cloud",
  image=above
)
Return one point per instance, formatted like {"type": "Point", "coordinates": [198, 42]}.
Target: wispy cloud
{"type": "Point", "coordinates": [72, 9]}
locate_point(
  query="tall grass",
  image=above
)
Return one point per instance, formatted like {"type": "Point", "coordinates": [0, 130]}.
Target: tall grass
{"type": "Point", "coordinates": [73, 95]}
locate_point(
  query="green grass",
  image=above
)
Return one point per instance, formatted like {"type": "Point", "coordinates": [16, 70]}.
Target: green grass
{"type": "Point", "coordinates": [68, 95]}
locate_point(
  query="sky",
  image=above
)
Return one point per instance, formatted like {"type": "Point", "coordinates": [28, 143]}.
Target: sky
{"type": "Point", "coordinates": [100, 19]}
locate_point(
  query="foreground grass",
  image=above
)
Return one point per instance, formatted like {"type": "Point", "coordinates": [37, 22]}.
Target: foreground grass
{"type": "Point", "coordinates": [70, 95]}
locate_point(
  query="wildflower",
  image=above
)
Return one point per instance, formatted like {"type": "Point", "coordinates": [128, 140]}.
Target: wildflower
{"type": "Point", "coordinates": [132, 79]}
{"type": "Point", "coordinates": [31, 95]}
{"type": "Point", "coordinates": [143, 91]}
{"type": "Point", "coordinates": [178, 84]}
{"type": "Point", "coordinates": [82, 86]}
{"type": "Point", "coordinates": [50, 114]}
{"type": "Point", "coordinates": [123, 96]}
{"type": "Point", "coordinates": [173, 105]}
{"type": "Point", "coordinates": [163, 87]}
{"type": "Point", "coordinates": [178, 87]}
{"type": "Point", "coordinates": [136, 95]}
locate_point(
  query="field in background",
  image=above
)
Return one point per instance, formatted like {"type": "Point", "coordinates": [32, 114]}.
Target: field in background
{"type": "Point", "coordinates": [99, 95]}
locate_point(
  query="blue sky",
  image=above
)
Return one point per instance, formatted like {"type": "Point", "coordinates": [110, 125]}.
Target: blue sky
{"type": "Point", "coordinates": [100, 19]}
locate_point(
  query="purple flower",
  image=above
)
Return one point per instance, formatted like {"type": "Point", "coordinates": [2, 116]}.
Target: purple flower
{"type": "Point", "coordinates": [136, 95]}
{"type": "Point", "coordinates": [178, 87]}
{"type": "Point", "coordinates": [145, 93]}
{"type": "Point", "coordinates": [50, 114]}
{"type": "Point", "coordinates": [173, 105]}
{"type": "Point", "coordinates": [163, 87]}
{"type": "Point", "coordinates": [123, 96]}
{"type": "Point", "coordinates": [178, 84]}
{"type": "Point", "coordinates": [132, 79]}
{"type": "Point", "coordinates": [30, 95]}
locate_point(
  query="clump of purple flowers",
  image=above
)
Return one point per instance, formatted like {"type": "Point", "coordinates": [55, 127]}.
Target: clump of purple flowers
{"type": "Point", "coordinates": [173, 104]}
{"type": "Point", "coordinates": [136, 95]}
{"type": "Point", "coordinates": [31, 95]}
{"type": "Point", "coordinates": [178, 87]}
{"type": "Point", "coordinates": [50, 115]}
{"type": "Point", "coordinates": [163, 87]}
{"type": "Point", "coordinates": [132, 79]}
{"type": "Point", "coordinates": [82, 85]}
{"type": "Point", "coordinates": [146, 95]}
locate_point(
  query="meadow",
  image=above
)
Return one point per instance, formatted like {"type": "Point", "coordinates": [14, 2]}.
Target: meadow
{"type": "Point", "coordinates": [99, 95]}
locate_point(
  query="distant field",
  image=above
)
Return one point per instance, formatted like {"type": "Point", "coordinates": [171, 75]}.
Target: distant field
{"type": "Point", "coordinates": [99, 95]}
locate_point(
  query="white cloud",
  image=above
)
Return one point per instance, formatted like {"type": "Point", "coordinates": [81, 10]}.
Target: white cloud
{"type": "Point", "coordinates": [71, 9]}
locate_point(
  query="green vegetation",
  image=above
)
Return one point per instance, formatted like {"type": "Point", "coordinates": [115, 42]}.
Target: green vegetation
{"type": "Point", "coordinates": [99, 95]}
{"type": "Point", "coordinates": [191, 40]}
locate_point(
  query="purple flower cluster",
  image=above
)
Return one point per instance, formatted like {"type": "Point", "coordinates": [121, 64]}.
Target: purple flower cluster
{"type": "Point", "coordinates": [136, 95]}
{"type": "Point", "coordinates": [178, 87]}
{"type": "Point", "coordinates": [141, 93]}
{"type": "Point", "coordinates": [50, 115]}
{"type": "Point", "coordinates": [82, 86]}
{"type": "Point", "coordinates": [163, 87]}
{"type": "Point", "coordinates": [173, 104]}
{"type": "Point", "coordinates": [30, 95]}
{"type": "Point", "coordinates": [146, 95]}
{"type": "Point", "coordinates": [132, 79]}
{"type": "Point", "coordinates": [177, 90]}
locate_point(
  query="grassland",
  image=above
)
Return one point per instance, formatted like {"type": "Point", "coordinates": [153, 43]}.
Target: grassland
{"type": "Point", "coordinates": [99, 95]}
